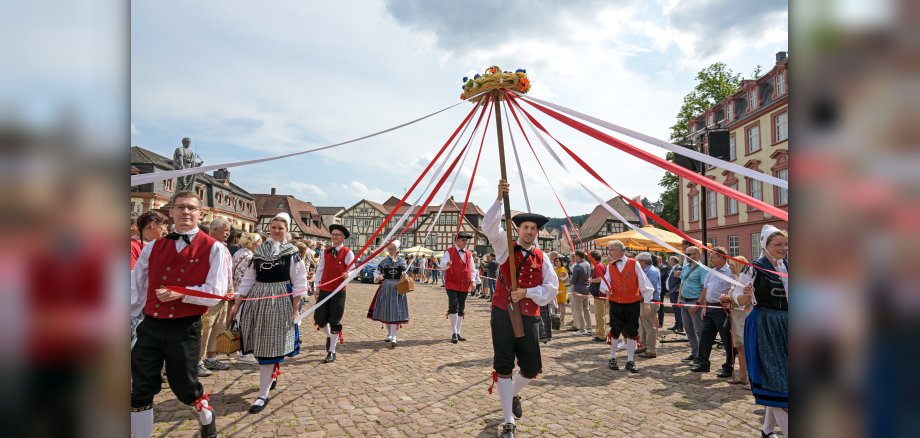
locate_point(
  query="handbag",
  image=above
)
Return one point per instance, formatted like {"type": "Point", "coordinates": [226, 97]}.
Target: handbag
{"type": "Point", "coordinates": [229, 341]}
{"type": "Point", "coordinates": [405, 285]}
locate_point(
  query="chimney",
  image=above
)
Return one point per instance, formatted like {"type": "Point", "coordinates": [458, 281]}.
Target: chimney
{"type": "Point", "coordinates": [781, 56]}
{"type": "Point", "coordinates": [222, 175]}
{"type": "Point", "coordinates": [273, 190]}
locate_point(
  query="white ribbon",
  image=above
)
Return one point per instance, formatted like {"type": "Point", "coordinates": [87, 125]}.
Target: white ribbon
{"type": "Point", "coordinates": [147, 178]}
{"type": "Point", "coordinates": [617, 214]}
{"type": "Point", "coordinates": [518, 161]}
{"type": "Point", "coordinates": [722, 164]}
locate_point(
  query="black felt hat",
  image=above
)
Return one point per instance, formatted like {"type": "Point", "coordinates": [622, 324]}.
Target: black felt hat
{"type": "Point", "coordinates": [464, 235]}
{"type": "Point", "coordinates": [340, 228]}
{"type": "Point", "coordinates": [538, 219]}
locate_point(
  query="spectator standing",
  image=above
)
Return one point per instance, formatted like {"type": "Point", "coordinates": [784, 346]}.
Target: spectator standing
{"type": "Point", "coordinates": [648, 322]}
{"type": "Point", "coordinates": [581, 316]}
{"type": "Point", "coordinates": [214, 321]}
{"type": "Point", "coordinates": [673, 286]}
{"type": "Point", "coordinates": [600, 299]}
{"type": "Point", "coordinates": [691, 288]}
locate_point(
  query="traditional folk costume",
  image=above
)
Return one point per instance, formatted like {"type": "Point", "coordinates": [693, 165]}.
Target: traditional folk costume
{"type": "Point", "coordinates": [171, 331]}
{"type": "Point", "coordinates": [629, 289]}
{"type": "Point", "coordinates": [388, 306]}
{"type": "Point", "coordinates": [333, 262]}
{"type": "Point", "coordinates": [267, 328]}
{"type": "Point", "coordinates": [766, 336]}
{"type": "Point", "coordinates": [535, 274]}
{"type": "Point", "coordinates": [457, 280]}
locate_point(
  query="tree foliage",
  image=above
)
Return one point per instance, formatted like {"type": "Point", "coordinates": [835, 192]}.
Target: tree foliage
{"type": "Point", "coordinates": [713, 85]}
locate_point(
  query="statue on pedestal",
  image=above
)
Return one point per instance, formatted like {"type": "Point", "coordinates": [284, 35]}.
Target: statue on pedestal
{"type": "Point", "coordinates": [184, 158]}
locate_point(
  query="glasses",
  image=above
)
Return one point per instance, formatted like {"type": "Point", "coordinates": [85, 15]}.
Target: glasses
{"type": "Point", "coordinates": [338, 234]}
{"type": "Point", "coordinates": [463, 239]}
{"type": "Point", "coordinates": [186, 207]}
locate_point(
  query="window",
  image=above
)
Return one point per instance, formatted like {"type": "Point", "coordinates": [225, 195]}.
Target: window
{"type": "Point", "coordinates": [711, 119]}
{"type": "Point", "coordinates": [755, 246]}
{"type": "Point", "coordinates": [731, 204]}
{"type": "Point", "coordinates": [711, 204]}
{"type": "Point", "coordinates": [730, 111]}
{"type": "Point", "coordinates": [755, 190]}
{"type": "Point", "coordinates": [731, 148]}
{"type": "Point", "coordinates": [733, 246]}
{"type": "Point", "coordinates": [752, 100]}
{"type": "Point", "coordinates": [781, 84]}
{"type": "Point", "coordinates": [714, 241]}
{"type": "Point", "coordinates": [781, 127]}
{"type": "Point", "coordinates": [782, 195]}
{"type": "Point", "coordinates": [694, 208]}
{"type": "Point", "coordinates": [753, 139]}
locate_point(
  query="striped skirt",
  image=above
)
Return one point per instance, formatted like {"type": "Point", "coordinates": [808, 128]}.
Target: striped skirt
{"type": "Point", "coordinates": [267, 327]}
{"type": "Point", "coordinates": [388, 306]}
{"type": "Point", "coordinates": [766, 350]}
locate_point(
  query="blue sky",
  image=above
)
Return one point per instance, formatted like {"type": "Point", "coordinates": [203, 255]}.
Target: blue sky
{"type": "Point", "coordinates": [247, 80]}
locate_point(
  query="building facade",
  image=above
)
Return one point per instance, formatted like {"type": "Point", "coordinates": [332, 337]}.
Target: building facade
{"type": "Point", "coordinates": [757, 119]}
{"type": "Point", "coordinates": [601, 223]}
{"type": "Point", "coordinates": [219, 197]}
{"type": "Point", "coordinates": [307, 222]}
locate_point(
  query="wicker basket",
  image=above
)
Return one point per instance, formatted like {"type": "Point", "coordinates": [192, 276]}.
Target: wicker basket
{"type": "Point", "coordinates": [405, 286]}
{"type": "Point", "coordinates": [229, 341]}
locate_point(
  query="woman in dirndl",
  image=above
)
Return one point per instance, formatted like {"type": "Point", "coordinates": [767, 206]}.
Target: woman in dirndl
{"type": "Point", "coordinates": [766, 329]}
{"type": "Point", "coordinates": [389, 306]}
{"type": "Point", "coordinates": [267, 326]}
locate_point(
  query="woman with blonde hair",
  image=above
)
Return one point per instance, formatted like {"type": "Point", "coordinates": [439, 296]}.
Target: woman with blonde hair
{"type": "Point", "coordinates": [267, 326]}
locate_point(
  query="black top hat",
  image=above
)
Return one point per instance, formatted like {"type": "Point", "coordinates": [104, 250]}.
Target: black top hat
{"type": "Point", "coordinates": [464, 235]}
{"type": "Point", "coordinates": [340, 228]}
{"type": "Point", "coordinates": [538, 219]}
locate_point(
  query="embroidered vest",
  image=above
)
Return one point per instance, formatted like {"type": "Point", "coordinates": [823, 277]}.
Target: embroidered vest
{"type": "Point", "coordinates": [457, 276]}
{"type": "Point", "coordinates": [531, 275]}
{"type": "Point", "coordinates": [167, 267]}
{"type": "Point", "coordinates": [333, 268]}
{"type": "Point", "coordinates": [624, 286]}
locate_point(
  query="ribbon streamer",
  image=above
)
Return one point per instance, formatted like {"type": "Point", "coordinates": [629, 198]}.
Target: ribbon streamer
{"type": "Point", "coordinates": [518, 161]}
{"type": "Point", "coordinates": [690, 153]}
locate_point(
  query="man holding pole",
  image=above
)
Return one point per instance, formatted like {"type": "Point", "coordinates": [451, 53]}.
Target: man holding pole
{"type": "Point", "coordinates": [536, 285]}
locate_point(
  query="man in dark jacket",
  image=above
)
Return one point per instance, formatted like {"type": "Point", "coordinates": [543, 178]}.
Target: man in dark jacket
{"type": "Point", "coordinates": [673, 284]}
{"type": "Point", "coordinates": [664, 269]}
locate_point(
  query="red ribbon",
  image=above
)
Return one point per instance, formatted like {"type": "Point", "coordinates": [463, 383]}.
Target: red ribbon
{"type": "Point", "coordinates": [494, 380]}
{"type": "Point", "coordinates": [660, 162]}
{"type": "Point", "coordinates": [199, 402]}
{"type": "Point", "coordinates": [473, 176]}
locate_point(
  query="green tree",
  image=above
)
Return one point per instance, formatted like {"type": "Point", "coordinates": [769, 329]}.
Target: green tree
{"type": "Point", "coordinates": [713, 85]}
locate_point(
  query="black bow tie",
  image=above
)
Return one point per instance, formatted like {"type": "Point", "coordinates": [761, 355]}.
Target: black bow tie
{"type": "Point", "coordinates": [175, 236]}
{"type": "Point", "coordinates": [335, 252]}
{"type": "Point", "coordinates": [527, 252]}
{"type": "Point", "coordinates": [461, 251]}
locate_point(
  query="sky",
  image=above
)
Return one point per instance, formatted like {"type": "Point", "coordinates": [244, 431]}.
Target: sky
{"type": "Point", "coordinates": [247, 80]}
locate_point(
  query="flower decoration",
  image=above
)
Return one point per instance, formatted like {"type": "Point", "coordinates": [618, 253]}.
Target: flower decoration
{"type": "Point", "coordinates": [494, 78]}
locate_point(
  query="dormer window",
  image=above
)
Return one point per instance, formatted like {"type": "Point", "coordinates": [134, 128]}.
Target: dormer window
{"type": "Point", "coordinates": [752, 99]}
{"type": "Point", "coordinates": [781, 84]}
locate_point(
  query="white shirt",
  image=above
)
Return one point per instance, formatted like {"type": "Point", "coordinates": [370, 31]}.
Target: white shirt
{"type": "Point", "coordinates": [645, 286]}
{"type": "Point", "coordinates": [216, 283]}
{"type": "Point", "coordinates": [297, 271]}
{"type": "Point", "coordinates": [491, 227]}
{"type": "Point", "coordinates": [714, 286]}
{"type": "Point", "coordinates": [318, 276]}
{"type": "Point", "coordinates": [445, 259]}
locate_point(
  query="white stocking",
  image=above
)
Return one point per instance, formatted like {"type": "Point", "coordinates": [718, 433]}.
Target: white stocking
{"type": "Point", "coordinates": [519, 383]}
{"type": "Point", "coordinates": [453, 321]}
{"type": "Point", "coordinates": [769, 421]}
{"type": "Point", "coordinates": [782, 419]}
{"type": "Point", "coordinates": [630, 349]}
{"type": "Point", "coordinates": [328, 330]}
{"type": "Point", "coordinates": [392, 328]}
{"type": "Point", "coordinates": [333, 342]}
{"type": "Point", "coordinates": [506, 394]}
{"type": "Point", "coordinates": [458, 324]}
{"type": "Point", "coordinates": [142, 423]}
{"type": "Point", "coordinates": [613, 348]}
{"type": "Point", "coordinates": [265, 379]}
{"type": "Point", "coordinates": [205, 416]}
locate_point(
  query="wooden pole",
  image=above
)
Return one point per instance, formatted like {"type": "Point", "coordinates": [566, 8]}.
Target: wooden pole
{"type": "Point", "coordinates": [514, 311]}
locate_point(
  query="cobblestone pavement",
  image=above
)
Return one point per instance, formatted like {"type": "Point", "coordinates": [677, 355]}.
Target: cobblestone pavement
{"type": "Point", "coordinates": [429, 387]}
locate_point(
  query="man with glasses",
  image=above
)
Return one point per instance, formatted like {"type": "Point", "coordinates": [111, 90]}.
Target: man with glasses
{"type": "Point", "coordinates": [171, 330]}
{"type": "Point", "coordinates": [332, 269]}
{"type": "Point", "coordinates": [630, 293]}
{"type": "Point", "coordinates": [459, 279]}
{"type": "Point", "coordinates": [691, 288]}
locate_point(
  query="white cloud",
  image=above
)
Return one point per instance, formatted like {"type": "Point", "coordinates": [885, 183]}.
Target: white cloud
{"type": "Point", "coordinates": [304, 191]}
{"type": "Point", "coordinates": [134, 130]}
{"type": "Point", "coordinates": [357, 190]}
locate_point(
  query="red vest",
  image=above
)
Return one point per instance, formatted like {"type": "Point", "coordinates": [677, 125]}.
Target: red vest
{"type": "Point", "coordinates": [531, 276]}
{"type": "Point", "coordinates": [624, 286]}
{"type": "Point", "coordinates": [333, 268]}
{"type": "Point", "coordinates": [457, 276]}
{"type": "Point", "coordinates": [167, 267]}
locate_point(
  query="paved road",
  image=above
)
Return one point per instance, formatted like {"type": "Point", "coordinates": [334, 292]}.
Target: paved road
{"type": "Point", "coordinates": [430, 387]}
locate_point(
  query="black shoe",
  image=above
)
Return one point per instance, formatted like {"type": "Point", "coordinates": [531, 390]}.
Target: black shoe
{"type": "Point", "coordinates": [631, 367]}
{"type": "Point", "coordinates": [724, 374]}
{"type": "Point", "coordinates": [516, 406]}
{"type": "Point", "coordinates": [330, 357]}
{"type": "Point", "coordinates": [453, 338]}
{"type": "Point", "coordinates": [507, 430]}
{"type": "Point", "coordinates": [255, 409]}
{"type": "Point", "coordinates": [274, 383]}
{"type": "Point", "coordinates": [573, 329]}
{"type": "Point", "coordinates": [672, 328]}
{"type": "Point", "coordinates": [209, 430]}
{"type": "Point", "coordinates": [679, 331]}
{"type": "Point", "coordinates": [612, 364]}
{"type": "Point", "coordinates": [767, 435]}
{"type": "Point", "coordinates": [700, 368]}
{"type": "Point", "coordinates": [460, 338]}
{"type": "Point", "coordinates": [689, 358]}
{"type": "Point", "coordinates": [597, 339]}
{"type": "Point", "coordinates": [695, 362]}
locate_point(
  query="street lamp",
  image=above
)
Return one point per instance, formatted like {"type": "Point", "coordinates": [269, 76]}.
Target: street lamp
{"type": "Point", "coordinates": [657, 208]}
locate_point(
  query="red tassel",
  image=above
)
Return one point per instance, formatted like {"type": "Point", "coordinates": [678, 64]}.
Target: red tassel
{"type": "Point", "coordinates": [341, 339]}
{"type": "Point", "coordinates": [609, 338]}
{"type": "Point", "coordinates": [199, 406]}
{"type": "Point", "coordinates": [494, 380]}
{"type": "Point", "coordinates": [277, 371]}
{"type": "Point", "coordinates": [318, 328]}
